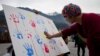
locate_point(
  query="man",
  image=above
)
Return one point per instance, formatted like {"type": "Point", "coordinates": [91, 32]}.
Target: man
{"type": "Point", "coordinates": [80, 45]}
{"type": "Point", "coordinates": [86, 25]}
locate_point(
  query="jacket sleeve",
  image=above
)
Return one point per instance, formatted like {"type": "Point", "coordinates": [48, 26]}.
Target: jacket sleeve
{"type": "Point", "coordinates": [69, 31]}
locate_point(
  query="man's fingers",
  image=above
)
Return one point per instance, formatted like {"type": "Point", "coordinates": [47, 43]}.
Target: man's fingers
{"type": "Point", "coordinates": [47, 35]}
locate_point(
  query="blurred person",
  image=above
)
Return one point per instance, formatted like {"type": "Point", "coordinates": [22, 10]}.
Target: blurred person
{"type": "Point", "coordinates": [80, 44]}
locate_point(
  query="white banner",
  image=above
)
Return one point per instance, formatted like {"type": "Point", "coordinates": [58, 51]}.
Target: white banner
{"type": "Point", "coordinates": [27, 33]}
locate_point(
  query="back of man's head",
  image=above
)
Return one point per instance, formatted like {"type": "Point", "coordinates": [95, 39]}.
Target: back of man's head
{"type": "Point", "coordinates": [71, 10]}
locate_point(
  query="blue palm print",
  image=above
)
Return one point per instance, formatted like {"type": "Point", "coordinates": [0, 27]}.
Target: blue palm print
{"type": "Point", "coordinates": [19, 36]}
{"type": "Point", "coordinates": [22, 16]}
{"type": "Point", "coordinates": [38, 39]}
{"type": "Point", "coordinates": [29, 49]}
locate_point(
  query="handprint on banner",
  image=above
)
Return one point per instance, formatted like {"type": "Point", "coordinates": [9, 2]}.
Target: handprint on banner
{"type": "Point", "coordinates": [52, 41]}
{"type": "Point", "coordinates": [18, 35]}
{"type": "Point", "coordinates": [46, 49]}
{"type": "Point", "coordinates": [22, 17]}
{"type": "Point", "coordinates": [29, 49]}
{"type": "Point", "coordinates": [14, 18]}
{"type": "Point", "coordinates": [42, 25]}
{"type": "Point", "coordinates": [39, 40]}
{"type": "Point", "coordinates": [29, 35]}
{"type": "Point", "coordinates": [39, 21]}
{"type": "Point", "coordinates": [32, 23]}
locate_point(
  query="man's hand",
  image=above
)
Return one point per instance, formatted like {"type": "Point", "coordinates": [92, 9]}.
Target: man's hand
{"type": "Point", "coordinates": [48, 35]}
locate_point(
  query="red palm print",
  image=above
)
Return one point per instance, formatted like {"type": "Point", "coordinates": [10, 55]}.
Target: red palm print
{"type": "Point", "coordinates": [32, 23]}
{"type": "Point", "coordinates": [14, 18]}
{"type": "Point", "coordinates": [46, 48]}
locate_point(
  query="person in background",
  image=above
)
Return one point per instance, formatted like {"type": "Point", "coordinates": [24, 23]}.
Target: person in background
{"type": "Point", "coordinates": [80, 45]}
{"type": "Point", "coordinates": [86, 25]}
{"type": "Point", "coordinates": [73, 40]}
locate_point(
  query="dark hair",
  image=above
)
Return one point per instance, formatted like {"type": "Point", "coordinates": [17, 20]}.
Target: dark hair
{"type": "Point", "coordinates": [71, 10]}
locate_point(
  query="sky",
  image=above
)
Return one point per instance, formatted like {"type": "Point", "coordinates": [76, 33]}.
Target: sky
{"type": "Point", "coordinates": [50, 6]}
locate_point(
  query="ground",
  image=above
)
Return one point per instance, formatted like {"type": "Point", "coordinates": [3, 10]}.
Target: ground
{"type": "Point", "coordinates": [73, 49]}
